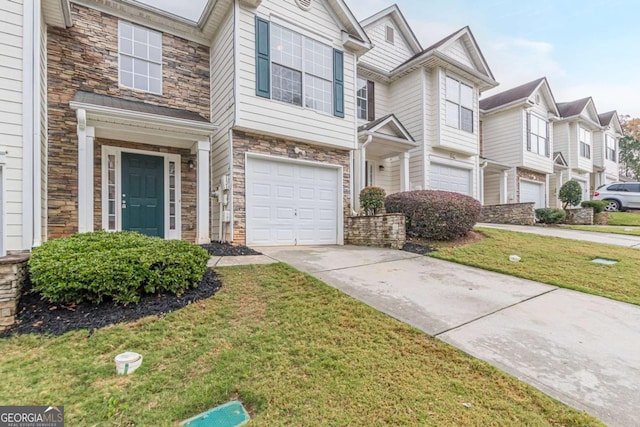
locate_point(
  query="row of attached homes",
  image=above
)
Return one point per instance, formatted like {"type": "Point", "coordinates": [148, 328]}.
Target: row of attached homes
{"type": "Point", "coordinates": [260, 123]}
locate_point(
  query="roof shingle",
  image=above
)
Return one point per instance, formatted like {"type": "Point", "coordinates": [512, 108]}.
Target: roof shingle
{"type": "Point", "coordinates": [508, 96]}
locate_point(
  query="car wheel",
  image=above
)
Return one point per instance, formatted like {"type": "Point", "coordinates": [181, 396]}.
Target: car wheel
{"type": "Point", "coordinates": [612, 206]}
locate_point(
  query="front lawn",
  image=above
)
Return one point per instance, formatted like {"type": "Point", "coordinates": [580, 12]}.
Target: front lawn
{"type": "Point", "coordinates": [295, 350]}
{"type": "Point", "coordinates": [624, 219]}
{"type": "Point", "coordinates": [601, 229]}
{"type": "Point", "coordinates": [560, 262]}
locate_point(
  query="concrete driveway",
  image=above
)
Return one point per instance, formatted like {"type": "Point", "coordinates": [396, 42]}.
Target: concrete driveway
{"type": "Point", "coordinates": [581, 349]}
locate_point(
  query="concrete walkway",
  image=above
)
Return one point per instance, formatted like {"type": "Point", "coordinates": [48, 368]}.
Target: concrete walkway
{"type": "Point", "coordinates": [565, 233]}
{"type": "Point", "coordinates": [581, 349]}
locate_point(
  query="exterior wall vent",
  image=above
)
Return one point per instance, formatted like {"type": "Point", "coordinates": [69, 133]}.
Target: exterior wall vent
{"type": "Point", "coordinates": [304, 4]}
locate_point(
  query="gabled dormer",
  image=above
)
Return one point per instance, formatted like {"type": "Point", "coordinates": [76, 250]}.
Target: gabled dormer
{"type": "Point", "coordinates": [575, 130]}
{"type": "Point", "coordinates": [606, 147]}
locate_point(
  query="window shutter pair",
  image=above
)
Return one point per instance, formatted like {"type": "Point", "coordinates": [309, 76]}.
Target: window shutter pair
{"type": "Point", "coordinates": [263, 68]}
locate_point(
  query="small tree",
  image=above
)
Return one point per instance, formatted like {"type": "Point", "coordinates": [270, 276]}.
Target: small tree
{"type": "Point", "coordinates": [570, 193]}
{"type": "Point", "coordinates": [372, 200]}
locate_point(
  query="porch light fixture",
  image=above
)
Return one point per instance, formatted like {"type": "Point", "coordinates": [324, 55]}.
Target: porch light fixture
{"type": "Point", "coordinates": [191, 164]}
{"type": "Point", "coordinates": [381, 168]}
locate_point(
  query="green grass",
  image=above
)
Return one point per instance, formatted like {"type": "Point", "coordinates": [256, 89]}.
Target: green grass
{"type": "Point", "coordinates": [600, 229]}
{"type": "Point", "coordinates": [625, 219]}
{"type": "Point", "coordinates": [294, 350]}
{"type": "Point", "coordinates": [560, 262]}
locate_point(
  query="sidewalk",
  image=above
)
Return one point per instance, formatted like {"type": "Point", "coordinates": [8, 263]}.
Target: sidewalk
{"type": "Point", "coordinates": [564, 233]}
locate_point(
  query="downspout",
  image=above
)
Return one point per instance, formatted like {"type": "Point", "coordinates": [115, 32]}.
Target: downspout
{"type": "Point", "coordinates": [37, 104]}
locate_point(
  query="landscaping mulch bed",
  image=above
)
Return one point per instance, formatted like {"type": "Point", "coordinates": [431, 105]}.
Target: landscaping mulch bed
{"type": "Point", "coordinates": [227, 249]}
{"type": "Point", "coordinates": [37, 316]}
{"type": "Point", "coordinates": [416, 248]}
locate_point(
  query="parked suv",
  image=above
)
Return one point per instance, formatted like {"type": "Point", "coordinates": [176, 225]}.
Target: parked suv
{"type": "Point", "coordinates": [619, 195]}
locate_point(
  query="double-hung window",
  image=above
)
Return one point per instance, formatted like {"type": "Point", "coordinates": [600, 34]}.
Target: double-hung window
{"type": "Point", "coordinates": [459, 113]}
{"type": "Point", "coordinates": [140, 57]}
{"type": "Point", "coordinates": [301, 70]}
{"type": "Point", "coordinates": [538, 138]}
{"type": "Point", "coordinates": [585, 142]}
{"type": "Point", "coordinates": [610, 152]}
{"type": "Point", "coordinates": [363, 99]}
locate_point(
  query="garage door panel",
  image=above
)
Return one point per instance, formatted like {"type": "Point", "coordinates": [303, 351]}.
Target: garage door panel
{"type": "Point", "coordinates": [450, 178]}
{"type": "Point", "coordinates": [289, 203]}
{"type": "Point", "coordinates": [531, 192]}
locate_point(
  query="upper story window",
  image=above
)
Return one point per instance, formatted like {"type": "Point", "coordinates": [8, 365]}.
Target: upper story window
{"type": "Point", "coordinates": [301, 69]}
{"type": "Point", "coordinates": [538, 137]}
{"type": "Point", "coordinates": [140, 57]}
{"type": "Point", "coordinates": [389, 34]}
{"type": "Point", "coordinates": [363, 99]}
{"type": "Point", "coordinates": [585, 142]}
{"type": "Point", "coordinates": [459, 105]}
{"type": "Point", "coordinates": [610, 149]}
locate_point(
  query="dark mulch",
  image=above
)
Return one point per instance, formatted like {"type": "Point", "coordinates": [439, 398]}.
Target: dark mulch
{"type": "Point", "coordinates": [37, 316]}
{"type": "Point", "coordinates": [227, 249]}
{"type": "Point", "coordinates": [417, 248]}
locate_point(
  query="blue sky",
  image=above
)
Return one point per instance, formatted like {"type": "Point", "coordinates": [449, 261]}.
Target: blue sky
{"type": "Point", "coordinates": [586, 48]}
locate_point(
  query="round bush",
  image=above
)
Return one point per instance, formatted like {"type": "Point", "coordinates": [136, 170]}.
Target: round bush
{"type": "Point", "coordinates": [598, 205]}
{"type": "Point", "coordinates": [435, 215]}
{"type": "Point", "coordinates": [551, 215]}
{"type": "Point", "coordinates": [372, 200]}
{"type": "Point", "coordinates": [570, 193]}
{"type": "Point", "coordinates": [118, 266]}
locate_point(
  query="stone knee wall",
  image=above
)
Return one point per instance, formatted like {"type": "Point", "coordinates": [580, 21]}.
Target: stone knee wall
{"type": "Point", "coordinates": [254, 143]}
{"type": "Point", "coordinates": [582, 216]}
{"type": "Point", "coordinates": [384, 231]}
{"type": "Point", "coordinates": [514, 213]}
{"type": "Point", "coordinates": [13, 271]}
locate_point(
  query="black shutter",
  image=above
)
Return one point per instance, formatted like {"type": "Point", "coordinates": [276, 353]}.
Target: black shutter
{"type": "Point", "coordinates": [371, 101]}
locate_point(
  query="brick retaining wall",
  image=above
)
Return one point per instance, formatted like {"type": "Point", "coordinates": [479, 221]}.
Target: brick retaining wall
{"type": "Point", "coordinates": [384, 231]}
{"type": "Point", "coordinates": [580, 216]}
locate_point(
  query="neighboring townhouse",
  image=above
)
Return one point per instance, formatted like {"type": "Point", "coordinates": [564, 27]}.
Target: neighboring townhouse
{"type": "Point", "coordinates": [418, 109]}
{"type": "Point", "coordinates": [606, 168]}
{"type": "Point", "coordinates": [573, 135]}
{"type": "Point", "coordinates": [23, 119]}
{"type": "Point", "coordinates": [518, 159]}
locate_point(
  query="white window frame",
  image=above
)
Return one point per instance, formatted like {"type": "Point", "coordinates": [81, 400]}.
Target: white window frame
{"type": "Point", "coordinates": [545, 138]}
{"type": "Point", "coordinates": [117, 152]}
{"type": "Point", "coordinates": [133, 57]}
{"type": "Point", "coordinates": [303, 71]}
{"type": "Point", "coordinates": [610, 147]}
{"type": "Point", "coordinates": [587, 144]}
{"type": "Point", "coordinates": [458, 104]}
{"type": "Point", "coordinates": [360, 80]}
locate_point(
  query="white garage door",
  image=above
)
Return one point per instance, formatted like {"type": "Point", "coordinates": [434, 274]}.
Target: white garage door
{"type": "Point", "coordinates": [449, 178]}
{"type": "Point", "coordinates": [532, 192]}
{"type": "Point", "coordinates": [291, 203]}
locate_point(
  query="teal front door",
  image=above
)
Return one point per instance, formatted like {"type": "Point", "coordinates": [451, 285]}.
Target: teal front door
{"type": "Point", "coordinates": [143, 194]}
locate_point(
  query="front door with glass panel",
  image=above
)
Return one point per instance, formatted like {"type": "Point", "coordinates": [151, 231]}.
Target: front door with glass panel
{"type": "Point", "coordinates": [143, 194]}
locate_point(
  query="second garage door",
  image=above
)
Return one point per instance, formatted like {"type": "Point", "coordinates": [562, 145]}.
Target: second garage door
{"type": "Point", "coordinates": [291, 203]}
{"type": "Point", "coordinates": [450, 178]}
{"type": "Point", "coordinates": [533, 192]}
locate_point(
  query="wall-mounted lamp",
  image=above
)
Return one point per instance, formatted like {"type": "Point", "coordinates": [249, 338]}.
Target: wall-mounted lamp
{"type": "Point", "coordinates": [381, 168]}
{"type": "Point", "coordinates": [191, 164]}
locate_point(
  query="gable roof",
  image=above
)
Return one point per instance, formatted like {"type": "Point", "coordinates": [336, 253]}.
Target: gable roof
{"type": "Point", "coordinates": [388, 120]}
{"type": "Point", "coordinates": [398, 18]}
{"type": "Point", "coordinates": [508, 96]}
{"type": "Point", "coordinates": [611, 118]}
{"type": "Point", "coordinates": [558, 159]}
{"type": "Point", "coordinates": [573, 108]}
{"type": "Point", "coordinates": [436, 51]}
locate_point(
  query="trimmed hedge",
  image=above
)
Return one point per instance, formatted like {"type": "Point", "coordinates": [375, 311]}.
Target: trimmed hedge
{"type": "Point", "coordinates": [118, 266]}
{"type": "Point", "coordinates": [598, 205]}
{"type": "Point", "coordinates": [372, 200]}
{"type": "Point", "coordinates": [551, 215]}
{"type": "Point", "coordinates": [435, 215]}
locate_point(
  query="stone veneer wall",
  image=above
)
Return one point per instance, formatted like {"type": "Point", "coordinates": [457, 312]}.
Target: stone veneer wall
{"type": "Point", "coordinates": [514, 213]}
{"type": "Point", "coordinates": [85, 57]}
{"type": "Point", "coordinates": [580, 216]}
{"type": "Point", "coordinates": [188, 182]}
{"type": "Point", "coordinates": [13, 271]}
{"type": "Point", "coordinates": [248, 142]}
{"type": "Point", "coordinates": [531, 176]}
{"type": "Point", "coordinates": [384, 231]}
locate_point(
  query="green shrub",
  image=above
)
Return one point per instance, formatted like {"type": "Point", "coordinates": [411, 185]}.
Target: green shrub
{"type": "Point", "coordinates": [551, 215]}
{"type": "Point", "coordinates": [372, 200]}
{"type": "Point", "coordinates": [597, 205]}
{"type": "Point", "coordinates": [435, 215]}
{"type": "Point", "coordinates": [118, 266]}
{"type": "Point", "coordinates": [570, 193]}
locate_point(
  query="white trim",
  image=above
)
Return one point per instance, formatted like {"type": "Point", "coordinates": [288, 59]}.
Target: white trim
{"type": "Point", "coordinates": [340, 190]}
{"type": "Point", "coordinates": [3, 222]}
{"type": "Point", "coordinates": [117, 151]}
{"type": "Point", "coordinates": [203, 215]}
{"type": "Point", "coordinates": [30, 41]}
{"type": "Point", "coordinates": [86, 136]}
